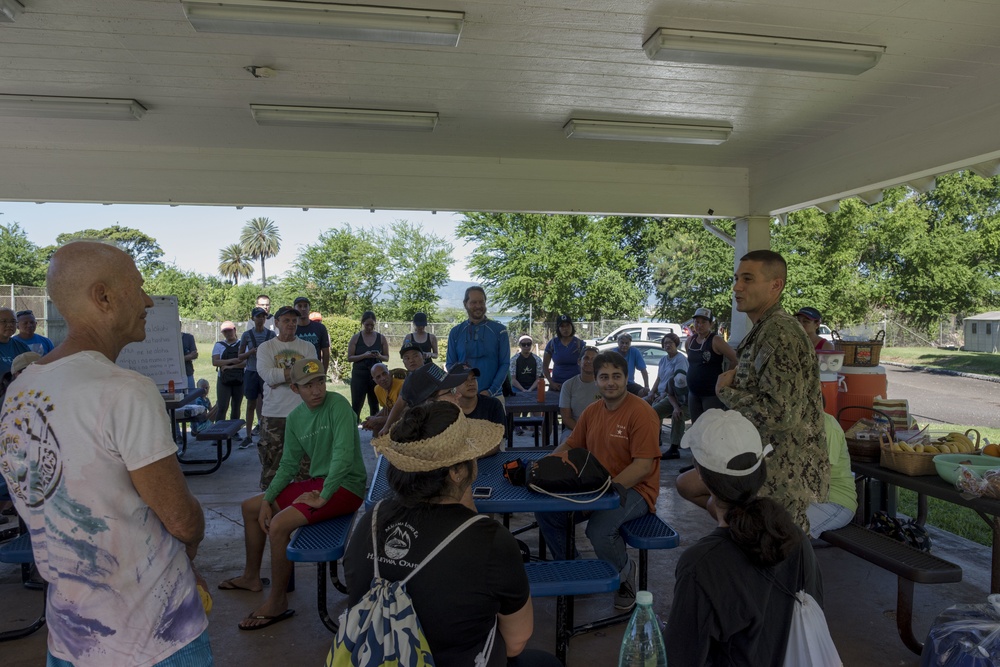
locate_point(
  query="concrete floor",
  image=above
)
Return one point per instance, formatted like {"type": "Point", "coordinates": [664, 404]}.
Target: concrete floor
{"type": "Point", "coordinates": [860, 598]}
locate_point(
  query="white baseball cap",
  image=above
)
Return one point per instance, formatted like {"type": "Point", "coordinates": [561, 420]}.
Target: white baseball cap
{"type": "Point", "coordinates": [719, 436]}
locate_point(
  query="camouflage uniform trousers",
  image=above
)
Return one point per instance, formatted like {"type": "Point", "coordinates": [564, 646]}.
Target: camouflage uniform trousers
{"type": "Point", "coordinates": [269, 449]}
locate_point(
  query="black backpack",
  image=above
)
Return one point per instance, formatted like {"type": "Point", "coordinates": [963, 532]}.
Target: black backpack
{"type": "Point", "coordinates": [231, 376]}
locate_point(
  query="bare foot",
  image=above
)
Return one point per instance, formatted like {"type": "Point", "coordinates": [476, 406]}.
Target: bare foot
{"type": "Point", "coordinates": [244, 584]}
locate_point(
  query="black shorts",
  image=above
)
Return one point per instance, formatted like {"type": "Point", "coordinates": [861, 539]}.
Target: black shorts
{"type": "Point", "coordinates": [253, 385]}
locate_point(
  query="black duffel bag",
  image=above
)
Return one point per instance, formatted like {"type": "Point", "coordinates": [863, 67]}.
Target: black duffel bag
{"type": "Point", "coordinates": [570, 472]}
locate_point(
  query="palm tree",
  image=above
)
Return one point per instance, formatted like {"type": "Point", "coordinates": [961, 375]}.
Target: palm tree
{"type": "Point", "coordinates": [260, 240]}
{"type": "Point", "coordinates": [234, 263]}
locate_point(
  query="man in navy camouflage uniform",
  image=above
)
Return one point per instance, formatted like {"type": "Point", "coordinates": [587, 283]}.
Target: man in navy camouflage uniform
{"type": "Point", "coordinates": [776, 386]}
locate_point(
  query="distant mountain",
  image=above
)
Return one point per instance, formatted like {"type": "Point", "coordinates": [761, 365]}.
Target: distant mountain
{"type": "Point", "coordinates": [452, 294]}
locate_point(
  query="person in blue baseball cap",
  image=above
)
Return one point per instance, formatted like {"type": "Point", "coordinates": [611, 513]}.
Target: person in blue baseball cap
{"type": "Point", "coordinates": [810, 319]}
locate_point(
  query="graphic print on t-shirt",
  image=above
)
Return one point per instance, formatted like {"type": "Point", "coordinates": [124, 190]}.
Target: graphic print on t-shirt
{"type": "Point", "coordinates": [31, 426]}
{"type": "Point", "coordinates": [286, 358]}
{"type": "Point", "coordinates": [398, 540]}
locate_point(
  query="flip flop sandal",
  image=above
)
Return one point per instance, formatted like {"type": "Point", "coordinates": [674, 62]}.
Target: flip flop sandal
{"type": "Point", "coordinates": [228, 585]}
{"type": "Point", "coordinates": [269, 620]}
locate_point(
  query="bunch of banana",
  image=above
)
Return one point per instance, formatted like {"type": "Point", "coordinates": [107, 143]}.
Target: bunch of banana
{"type": "Point", "coordinates": [953, 443]}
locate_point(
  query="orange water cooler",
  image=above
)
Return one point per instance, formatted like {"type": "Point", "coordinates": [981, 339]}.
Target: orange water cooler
{"type": "Point", "coordinates": [864, 384]}
{"type": "Point", "coordinates": [831, 361]}
{"type": "Point", "coordinates": [832, 384]}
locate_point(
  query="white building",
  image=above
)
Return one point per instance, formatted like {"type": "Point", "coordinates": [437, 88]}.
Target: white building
{"type": "Point", "coordinates": [982, 332]}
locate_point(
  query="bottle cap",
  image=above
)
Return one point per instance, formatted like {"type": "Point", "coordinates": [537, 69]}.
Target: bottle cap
{"type": "Point", "coordinates": [644, 597]}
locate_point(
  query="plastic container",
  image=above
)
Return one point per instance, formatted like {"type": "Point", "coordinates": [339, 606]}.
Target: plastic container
{"type": "Point", "coordinates": [863, 385]}
{"type": "Point", "coordinates": [642, 645]}
{"type": "Point", "coordinates": [541, 390]}
{"type": "Point", "coordinates": [830, 361]}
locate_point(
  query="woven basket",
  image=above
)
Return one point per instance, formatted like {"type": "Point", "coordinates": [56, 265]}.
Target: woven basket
{"type": "Point", "coordinates": [859, 352]}
{"type": "Point", "coordinates": [912, 464]}
{"type": "Point", "coordinates": [864, 451]}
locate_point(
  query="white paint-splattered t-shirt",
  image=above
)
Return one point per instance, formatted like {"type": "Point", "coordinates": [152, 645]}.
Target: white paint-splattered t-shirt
{"type": "Point", "coordinates": [122, 590]}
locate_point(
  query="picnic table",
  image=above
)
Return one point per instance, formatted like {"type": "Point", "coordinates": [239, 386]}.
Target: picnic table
{"type": "Point", "coordinates": [177, 400]}
{"type": "Point", "coordinates": [926, 485]}
{"type": "Point", "coordinates": [527, 402]}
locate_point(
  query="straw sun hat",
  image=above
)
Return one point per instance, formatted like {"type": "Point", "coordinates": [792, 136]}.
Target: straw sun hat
{"type": "Point", "coordinates": [464, 440]}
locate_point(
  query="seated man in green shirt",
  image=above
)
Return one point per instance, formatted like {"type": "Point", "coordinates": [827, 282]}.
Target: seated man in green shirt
{"type": "Point", "coordinates": [323, 427]}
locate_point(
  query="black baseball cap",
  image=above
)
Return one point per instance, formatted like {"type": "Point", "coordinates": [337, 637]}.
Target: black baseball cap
{"type": "Point", "coordinates": [563, 319]}
{"type": "Point", "coordinates": [285, 310]}
{"type": "Point", "coordinates": [464, 369]}
{"type": "Point", "coordinates": [423, 383]}
{"type": "Point", "coordinates": [300, 299]}
{"type": "Point", "coordinates": [257, 312]}
{"type": "Point", "coordinates": [407, 346]}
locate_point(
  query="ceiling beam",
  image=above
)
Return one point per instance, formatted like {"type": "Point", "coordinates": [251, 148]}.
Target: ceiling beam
{"type": "Point", "coordinates": [171, 175]}
{"type": "Point", "coordinates": [954, 131]}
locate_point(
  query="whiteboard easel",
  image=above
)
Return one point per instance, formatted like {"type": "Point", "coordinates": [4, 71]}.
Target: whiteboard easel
{"type": "Point", "coordinates": [160, 356]}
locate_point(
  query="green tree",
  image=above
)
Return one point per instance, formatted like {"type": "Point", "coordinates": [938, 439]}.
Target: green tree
{"type": "Point", "coordinates": [692, 269]}
{"type": "Point", "coordinates": [639, 239]}
{"type": "Point", "coordinates": [342, 272]}
{"type": "Point", "coordinates": [234, 263]}
{"type": "Point", "coordinates": [828, 261]}
{"type": "Point", "coordinates": [21, 261]}
{"type": "Point", "coordinates": [419, 264]}
{"type": "Point", "coordinates": [552, 264]}
{"type": "Point", "coordinates": [261, 240]}
{"type": "Point", "coordinates": [143, 248]}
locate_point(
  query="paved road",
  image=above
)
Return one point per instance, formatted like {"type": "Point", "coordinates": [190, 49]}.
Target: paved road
{"type": "Point", "coordinates": [946, 398]}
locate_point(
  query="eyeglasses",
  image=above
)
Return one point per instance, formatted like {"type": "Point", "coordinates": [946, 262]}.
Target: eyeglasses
{"type": "Point", "coordinates": [22, 313]}
{"type": "Point", "coordinates": [525, 344]}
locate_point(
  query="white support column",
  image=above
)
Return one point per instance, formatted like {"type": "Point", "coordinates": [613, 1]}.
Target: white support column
{"type": "Point", "coordinates": [752, 233]}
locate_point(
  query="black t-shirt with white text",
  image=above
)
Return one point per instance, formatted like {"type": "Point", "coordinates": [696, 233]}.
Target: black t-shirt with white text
{"type": "Point", "coordinates": [459, 593]}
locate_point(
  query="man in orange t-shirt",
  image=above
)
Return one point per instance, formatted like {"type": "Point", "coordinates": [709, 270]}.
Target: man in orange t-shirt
{"type": "Point", "coordinates": [623, 432]}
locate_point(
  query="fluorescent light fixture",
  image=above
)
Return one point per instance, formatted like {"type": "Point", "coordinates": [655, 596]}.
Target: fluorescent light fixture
{"type": "Point", "coordinates": [672, 132]}
{"type": "Point", "coordinates": [291, 18]}
{"type": "Point", "coordinates": [372, 119]}
{"type": "Point", "coordinates": [84, 108]}
{"type": "Point", "coordinates": [737, 50]}
{"type": "Point", "coordinates": [9, 9]}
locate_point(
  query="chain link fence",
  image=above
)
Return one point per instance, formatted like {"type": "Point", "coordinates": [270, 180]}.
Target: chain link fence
{"type": "Point", "coordinates": [209, 332]}
{"type": "Point", "coordinates": [35, 299]}
{"type": "Point", "coordinates": [898, 334]}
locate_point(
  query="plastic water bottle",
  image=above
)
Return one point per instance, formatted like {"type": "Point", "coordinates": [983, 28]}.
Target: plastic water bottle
{"type": "Point", "coordinates": [642, 645]}
{"type": "Point", "coordinates": [541, 390]}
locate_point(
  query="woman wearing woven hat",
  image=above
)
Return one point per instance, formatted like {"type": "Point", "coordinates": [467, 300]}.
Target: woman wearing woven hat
{"type": "Point", "coordinates": [810, 319]}
{"type": "Point", "coordinates": [734, 591]}
{"type": "Point", "coordinates": [706, 351]}
{"type": "Point", "coordinates": [477, 581]}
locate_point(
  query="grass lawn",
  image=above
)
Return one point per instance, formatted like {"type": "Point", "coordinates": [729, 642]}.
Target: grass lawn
{"type": "Point", "coordinates": [961, 521]}
{"type": "Point", "coordinates": [983, 363]}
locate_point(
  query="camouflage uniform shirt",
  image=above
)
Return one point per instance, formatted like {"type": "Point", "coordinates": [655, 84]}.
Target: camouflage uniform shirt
{"type": "Point", "coordinates": [777, 388]}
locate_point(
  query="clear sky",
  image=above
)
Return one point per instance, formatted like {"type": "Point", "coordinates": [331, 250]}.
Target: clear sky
{"type": "Point", "coordinates": [191, 236]}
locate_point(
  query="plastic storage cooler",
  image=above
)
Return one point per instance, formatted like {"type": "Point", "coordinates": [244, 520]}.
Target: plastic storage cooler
{"type": "Point", "coordinates": [832, 384]}
{"type": "Point", "coordinates": [863, 385]}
